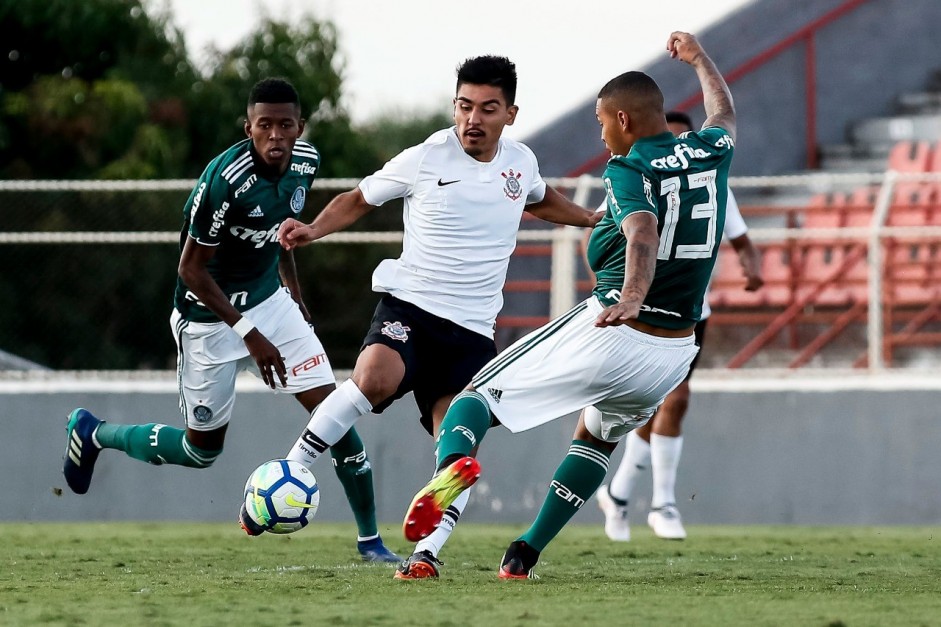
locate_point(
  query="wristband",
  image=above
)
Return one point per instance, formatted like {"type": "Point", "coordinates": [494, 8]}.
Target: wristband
{"type": "Point", "coordinates": [243, 327]}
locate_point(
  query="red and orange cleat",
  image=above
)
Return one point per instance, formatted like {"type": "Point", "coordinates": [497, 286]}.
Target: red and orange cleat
{"type": "Point", "coordinates": [430, 503]}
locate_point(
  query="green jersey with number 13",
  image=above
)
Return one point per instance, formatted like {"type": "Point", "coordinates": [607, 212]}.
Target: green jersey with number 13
{"type": "Point", "coordinates": [684, 182]}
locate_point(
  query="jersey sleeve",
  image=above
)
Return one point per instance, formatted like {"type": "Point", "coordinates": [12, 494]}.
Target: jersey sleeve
{"type": "Point", "coordinates": [734, 222]}
{"type": "Point", "coordinates": [537, 187]}
{"type": "Point", "coordinates": [628, 190]}
{"type": "Point", "coordinates": [718, 138]}
{"type": "Point", "coordinates": [396, 178]}
{"type": "Point", "coordinates": [207, 207]}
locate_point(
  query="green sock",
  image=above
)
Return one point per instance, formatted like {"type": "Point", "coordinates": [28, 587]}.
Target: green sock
{"type": "Point", "coordinates": [575, 480]}
{"type": "Point", "coordinates": [464, 426]}
{"type": "Point", "coordinates": [355, 473]}
{"type": "Point", "coordinates": [155, 444]}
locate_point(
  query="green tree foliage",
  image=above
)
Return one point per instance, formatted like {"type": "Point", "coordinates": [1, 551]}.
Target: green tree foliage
{"type": "Point", "coordinates": [104, 89]}
{"type": "Point", "coordinates": [78, 79]}
{"type": "Point", "coordinates": [390, 132]}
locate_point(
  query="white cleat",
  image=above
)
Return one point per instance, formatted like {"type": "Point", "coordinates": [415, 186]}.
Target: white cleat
{"type": "Point", "coordinates": [665, 522]}
{"type": "Point", "coordinates": [616, 525]}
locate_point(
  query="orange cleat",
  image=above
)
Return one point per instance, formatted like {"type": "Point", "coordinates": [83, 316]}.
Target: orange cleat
{"type": "Point", "coordinates": [433, 500]}
{"type": "Point", "coordinates": [419, 565]}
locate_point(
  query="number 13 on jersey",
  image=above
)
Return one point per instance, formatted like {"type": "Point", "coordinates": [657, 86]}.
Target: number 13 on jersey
{"type": "Point", "coordinates": [675, 230]}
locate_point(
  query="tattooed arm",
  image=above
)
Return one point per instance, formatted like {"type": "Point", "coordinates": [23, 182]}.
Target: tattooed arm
{"type": "Point", "coordinates": [717, 99]}
{"type": "Point", "coordinates": [641, 260]}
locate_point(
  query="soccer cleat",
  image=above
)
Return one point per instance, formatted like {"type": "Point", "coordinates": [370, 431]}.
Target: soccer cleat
{"type": "Point", "coordinates": [248, 525]}
{"type": "Point", "coordinates": [419, 565]}
{"type": "Point", "coordinates": [518, 562]}
{"type": "Point", "coordinates": [375, 551]}
{"type": "Point", "coordinates": [82, 450]}
{"type": "Point", "coordinates": [665, 522]}
{"type": "Point", "coordinates": [616, 525]}
{"type": "Point", "coordinates": [429, 505]}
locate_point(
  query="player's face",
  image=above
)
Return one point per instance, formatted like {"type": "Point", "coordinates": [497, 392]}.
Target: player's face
{"type": "Point", "coordinates": [274, 127]}
{"type": "Point", "coordinates": [480, 113]}
{"type": "Point", "coordinates": [613, 127]}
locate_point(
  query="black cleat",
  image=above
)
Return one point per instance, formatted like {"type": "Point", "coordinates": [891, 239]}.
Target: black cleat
{"type": "Point", "coordinates": [248, 525]}
{"type": "Point", "coordinates": [419, 565]}
{"type": "Point", "coordinates": [519, 561]}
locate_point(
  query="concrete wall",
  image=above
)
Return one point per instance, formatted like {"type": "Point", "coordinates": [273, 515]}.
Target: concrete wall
{"type": "Point", "coordinates": [856, 456]}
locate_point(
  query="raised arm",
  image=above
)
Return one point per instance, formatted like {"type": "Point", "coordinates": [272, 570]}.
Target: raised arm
{"type": "Point", "coordinates": [717, 99]}
{"type": "Point", "coordinates": [341, 212]}
{"type": "Point", "coordinates": [556, 208]}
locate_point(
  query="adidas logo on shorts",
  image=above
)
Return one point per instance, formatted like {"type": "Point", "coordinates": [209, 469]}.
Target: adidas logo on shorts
{"type": "Point", "coordinates": [495, 394]}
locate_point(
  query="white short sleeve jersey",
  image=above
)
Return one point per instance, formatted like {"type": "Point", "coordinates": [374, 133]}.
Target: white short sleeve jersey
{"type": "Point", "coordinates": [461, 219]}
{"type": "Point", "coordinates": [734, 227]}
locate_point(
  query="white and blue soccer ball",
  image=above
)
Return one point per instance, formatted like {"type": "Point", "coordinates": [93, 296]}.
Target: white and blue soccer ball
{"type": "Point", "coordinates": [282, 496]}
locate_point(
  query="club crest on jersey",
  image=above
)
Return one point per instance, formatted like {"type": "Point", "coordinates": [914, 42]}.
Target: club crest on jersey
{"type": "Point", "coordinates": [297, 199]}
{"type": "Point", "coordinates": [396, 330]}
{"type": "Point", "coordinates": [512, 189]}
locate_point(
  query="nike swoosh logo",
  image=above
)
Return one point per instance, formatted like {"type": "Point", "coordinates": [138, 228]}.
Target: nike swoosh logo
{"type": "Point", "coordinates": [290, 501]}
{"type": "Point", "coordinates": [443, 183]}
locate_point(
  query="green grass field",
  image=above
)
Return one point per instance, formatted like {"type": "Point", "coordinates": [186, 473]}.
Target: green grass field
{"type": "Point", "coordinates": [211, 574]}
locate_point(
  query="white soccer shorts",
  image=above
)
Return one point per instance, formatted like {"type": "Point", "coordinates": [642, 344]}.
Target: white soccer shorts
{"type": "Point", "coordinates": [210, 356]}
{"type": "Point", "coordinates": [570, 364]}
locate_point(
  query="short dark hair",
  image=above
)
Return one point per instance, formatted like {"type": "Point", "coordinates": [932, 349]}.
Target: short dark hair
{"type": "Point", "coordinates": [679, 117]}
{"type": "Point", "coordinates": [273, 91]}
{"type": "Point", "coordinates": [489, 70]}
{"type": "Point", "coordinates": [634, 90]}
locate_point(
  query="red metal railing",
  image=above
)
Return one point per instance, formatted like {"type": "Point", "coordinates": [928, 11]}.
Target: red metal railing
{"type": "Point", "coordinates": [805, 36]}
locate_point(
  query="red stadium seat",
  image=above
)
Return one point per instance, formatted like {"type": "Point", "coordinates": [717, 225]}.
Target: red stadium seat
{"type": "Point", "coordinates": [910, 156]}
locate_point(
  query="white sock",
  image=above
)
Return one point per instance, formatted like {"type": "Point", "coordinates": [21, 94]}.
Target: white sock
{"type": "Point", "coordinates": [636, 461]}
{"type": "Point", "coordinates": [664, 460]}
{"type": "Point", "coordinates": [435, 542]}
{"type": "Point", "coordinates": [329, 422]}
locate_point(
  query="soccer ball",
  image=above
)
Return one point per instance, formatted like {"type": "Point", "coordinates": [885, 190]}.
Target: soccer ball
{"type": "Point", "coordinates": [282, 496]}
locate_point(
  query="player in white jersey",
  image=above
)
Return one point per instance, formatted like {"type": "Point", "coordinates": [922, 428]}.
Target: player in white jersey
{"type": "Point", "coordinates": [465, 190]}
{"type": "Point", "coordinates": [658, 444]}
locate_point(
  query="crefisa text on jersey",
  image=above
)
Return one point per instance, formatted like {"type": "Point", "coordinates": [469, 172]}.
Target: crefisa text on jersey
{"type": "Point", "coordinates": [259, 238]}
{"type": "Point", "coordinates": [303, 168]}
{"type": "Point", "coordinates": [217, 217]}
{"type": "Point", "coordinates": [678, 158]}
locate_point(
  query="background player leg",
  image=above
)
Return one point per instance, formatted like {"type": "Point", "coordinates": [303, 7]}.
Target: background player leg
{"type": "Point", "coordinates": [666, 444]}
{"type": "Point", "coordinates": [614, 498]}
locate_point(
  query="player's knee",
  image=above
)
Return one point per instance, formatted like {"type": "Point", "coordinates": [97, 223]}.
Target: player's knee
{"type": "Point", "coordinates": [376, 386]}
{"type": "Point", "coordinates": [594, 428]}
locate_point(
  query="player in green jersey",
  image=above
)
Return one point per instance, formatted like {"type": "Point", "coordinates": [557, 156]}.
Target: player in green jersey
{"type": "Point", "coordinates": [657, 445]}
{"type": "Point", "coordinates": [620, 352]}
{"type": "Point", "coordinates": [238, 306]}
